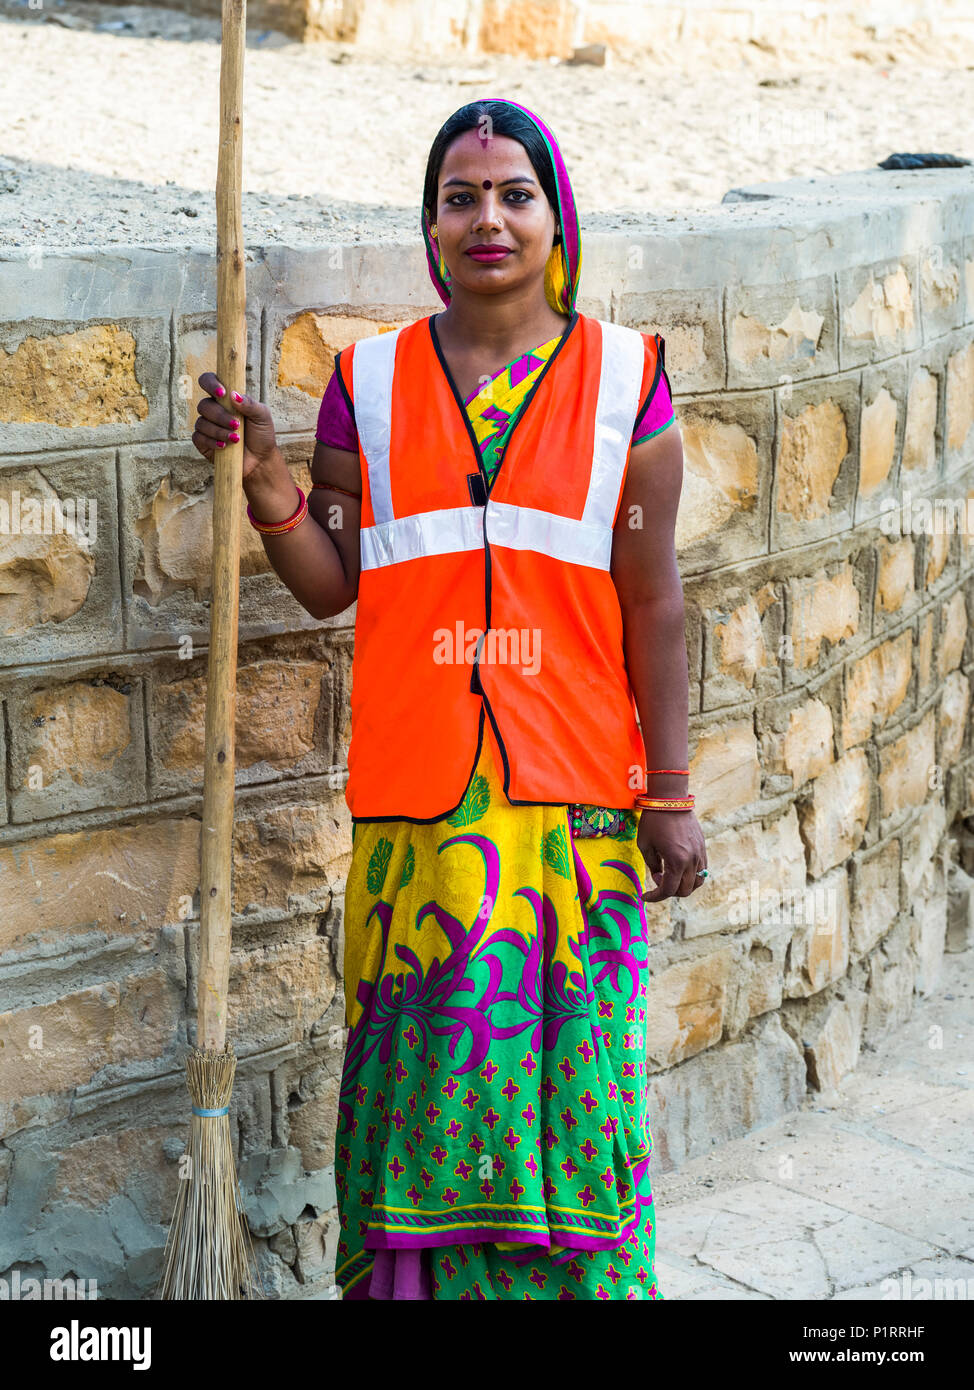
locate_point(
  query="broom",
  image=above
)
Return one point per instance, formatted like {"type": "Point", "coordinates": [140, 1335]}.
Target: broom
{"type": "Point", "coordinates": [209, 1254]}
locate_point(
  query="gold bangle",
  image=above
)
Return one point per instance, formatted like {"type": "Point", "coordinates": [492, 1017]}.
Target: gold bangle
{"type": "Point", "coordinates": [664, 803]}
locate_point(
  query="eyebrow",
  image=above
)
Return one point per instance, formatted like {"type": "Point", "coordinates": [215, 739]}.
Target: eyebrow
{"type": "Point", "coordinates": [468, 184]}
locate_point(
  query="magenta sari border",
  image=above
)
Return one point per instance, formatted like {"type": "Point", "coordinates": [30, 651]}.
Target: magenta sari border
{"type": "Point", "coordinates": [466, 1235]}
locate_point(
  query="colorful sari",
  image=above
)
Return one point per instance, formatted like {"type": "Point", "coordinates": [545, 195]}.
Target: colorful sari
{"type": "Point", "coordinates": [493, 1140]}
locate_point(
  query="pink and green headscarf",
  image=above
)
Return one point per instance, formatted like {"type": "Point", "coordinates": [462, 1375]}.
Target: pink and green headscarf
{"type": "Point", "coordinates": [565, 261]}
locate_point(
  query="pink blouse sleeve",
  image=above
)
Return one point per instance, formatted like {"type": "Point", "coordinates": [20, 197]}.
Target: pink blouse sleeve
{"type": "Point", "coordinates": [336, 418]}
{"type": "Point", "coordinates": [656, 412]}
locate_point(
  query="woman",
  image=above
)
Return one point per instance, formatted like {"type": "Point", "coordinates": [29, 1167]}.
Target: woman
{"type": "Point", "coordinates": [497, 486]}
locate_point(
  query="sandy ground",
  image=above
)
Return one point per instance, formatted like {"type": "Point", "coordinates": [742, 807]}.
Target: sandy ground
{"type": "Point", "coordinates": [108, 119]}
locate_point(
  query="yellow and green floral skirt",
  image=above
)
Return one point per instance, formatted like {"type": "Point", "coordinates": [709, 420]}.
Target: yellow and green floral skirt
{"type": "Point", "coordinates": [493, 1141]}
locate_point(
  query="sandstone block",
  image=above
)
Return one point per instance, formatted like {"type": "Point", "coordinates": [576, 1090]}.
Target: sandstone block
{"type": "Point", "coordinates": [879, 311]}
{"type": "Point", "coordinates": [895, 565]}
{"type": "Point", "coordinates": [907, 768]}
{"type": "Point", "coordinates": [876, 686]}
{"type": "Point", "coordinates": [955, 708]}
{"type": "Point", "coordinates": [124, 878]}
{"type": "Point", "coordinates": [953, 633]}
{"type": "Point", "coordinates": [937, 555]}
{"type": "Point", "coordinates": [689, 323]}
{"type": "Point", "coordinates": [881, 426]}
{"type": "Point", "coordinates": [960, 400]}
{"type": "Point", "coordinates": [302, 350]}
{"type": "Point", "coordinates": [889, 999]}
{"type": "Point", "coordinates": [757, 870]}
{"type": "Point", "coordinates": [805, 747]}
{"type": "Point", "coordinates": [875, 898]}
{"type": "Point", "coordinates": [689, 1001]}
{"type": "Point", "coordinates": [167, 548]}
{"type": "Point", "coordinates": [819, 951]}
{"type": "Point", "coordinates": [285, 710]}
{"type": "Point", "coordinates": [814, 485]}
{"type": "Point", "coordinates": [780, 333]}
{"type": "Point", "coordinates": [312, 1096]}
{"type": "Point", "coordinates": [59, 593]}
{"type": "Point", "coordinates": [723, 510]}
{"type": "Point", "coordinates": [724, 769]}
{"type": "Point", "coordinates": [834, 815]}
{"type": "Point", "coordinates": [67, 1041]}
{"type": "Point", "coordinates": [277, 992]}
{"type": "Point", "coordinates": [94, 1170]}
{"type": "Point", "coordinates": [534, 31]}
{"type": "Point", "coordinates": [105, 382]}
{"type": "Point", "coordinates": [291, 852]}
{"type": "Point", "coordinates": [76, 745]}
{"type": "Point", "coordinates": [833, 1041]}
{"type": "Point", "coordinates": [766, 961]}
{"type": "Point", "coordinates": [920, 432]}
{"type": "Point", "coordinates": [824, 607]}
{"type": "Point", "coordinates": [942, 297]}
{"type": "Point", "coordinates": [740, 646]}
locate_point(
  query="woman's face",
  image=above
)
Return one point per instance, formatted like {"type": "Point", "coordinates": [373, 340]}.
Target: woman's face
{"type": "Point", "coordinates": [490, 195]}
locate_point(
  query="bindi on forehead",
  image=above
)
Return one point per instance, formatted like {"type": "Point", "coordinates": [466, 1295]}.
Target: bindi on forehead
{"type": "Point", "coordinates": [487, 183]}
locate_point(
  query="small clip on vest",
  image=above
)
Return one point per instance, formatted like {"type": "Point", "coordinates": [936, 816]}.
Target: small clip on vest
{"type": "Point", "coordinates": [477, 488]}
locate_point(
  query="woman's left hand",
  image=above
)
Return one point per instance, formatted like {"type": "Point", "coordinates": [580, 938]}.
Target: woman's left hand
{"type": "Point", "coordinates": [673, 846]}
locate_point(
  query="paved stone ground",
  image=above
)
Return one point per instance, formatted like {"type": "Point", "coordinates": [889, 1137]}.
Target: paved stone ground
{"type": "Point", "coordinates": [859, 1195]}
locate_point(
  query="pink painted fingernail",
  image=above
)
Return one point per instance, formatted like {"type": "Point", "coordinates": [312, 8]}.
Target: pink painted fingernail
{"type": "Point", "coordinates": [233, 439]}
{"type": "Point", "coordinates": [236, 397]}
{"type": "Point", "coordinates": [220, 391]}
{"type": "Point", "coordinates": [220, 444]}
{"type": "Point", "coordinates": [234, 424]}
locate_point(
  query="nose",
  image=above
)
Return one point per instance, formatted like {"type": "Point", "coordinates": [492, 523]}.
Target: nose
{"type": "Point", "coordinates": [488, 211]}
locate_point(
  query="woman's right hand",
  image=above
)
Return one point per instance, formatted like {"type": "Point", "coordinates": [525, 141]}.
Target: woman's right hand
{"type": "Point", "coordinates": [218, 423]}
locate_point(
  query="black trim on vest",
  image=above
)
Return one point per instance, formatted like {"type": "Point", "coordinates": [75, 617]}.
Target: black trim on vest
{"type": "Point", "coordinates": [477, 488]}
{"type": "Point", "coordinates": [344, 391]}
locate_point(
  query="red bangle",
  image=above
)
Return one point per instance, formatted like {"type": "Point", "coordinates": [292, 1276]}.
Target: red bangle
{"type": "Point", "coordinates": [333, 488]}
{"type": "Point", "coordinates": [277, 528]}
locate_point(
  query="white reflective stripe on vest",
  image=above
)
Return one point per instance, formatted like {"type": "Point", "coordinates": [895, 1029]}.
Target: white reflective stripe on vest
{"type": "Point", "coordinates": [561, 537]}
{"type": "Point", "coordinates": [373, 361]}
{"type": "Point", "coordinates": [588, 541]}
{"type": "Point", "coordinates": [424, 533]}
{"type": "Point", "coordinates": [461, 528]}
{"type": "Point", "coordinates": [620, 378]}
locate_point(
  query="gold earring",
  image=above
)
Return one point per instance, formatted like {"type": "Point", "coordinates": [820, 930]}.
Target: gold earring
{"type": "Point", "coordinates": [433, 229]}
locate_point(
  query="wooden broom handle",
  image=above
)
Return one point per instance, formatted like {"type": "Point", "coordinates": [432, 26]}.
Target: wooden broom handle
{"type": "Point", "coordinates": [231, 368]}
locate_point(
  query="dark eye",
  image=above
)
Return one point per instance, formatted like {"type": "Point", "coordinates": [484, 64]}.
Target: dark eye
{"type": "Point", "coordinates": [520, 194]}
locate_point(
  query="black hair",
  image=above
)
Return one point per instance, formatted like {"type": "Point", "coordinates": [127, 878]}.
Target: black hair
{"type": "Point", "coordinates": [505, 120]}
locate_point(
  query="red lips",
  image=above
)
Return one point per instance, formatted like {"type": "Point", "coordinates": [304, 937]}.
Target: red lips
{"type": "Point", "coordinates": [488, 253]}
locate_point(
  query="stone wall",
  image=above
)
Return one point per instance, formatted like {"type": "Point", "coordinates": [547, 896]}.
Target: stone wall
{"type": "Point", "coordinates": [820, 344]}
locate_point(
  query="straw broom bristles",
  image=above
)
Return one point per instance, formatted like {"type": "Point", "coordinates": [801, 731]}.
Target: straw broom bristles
{"type": "Point", "coordinates": [209, 1254]}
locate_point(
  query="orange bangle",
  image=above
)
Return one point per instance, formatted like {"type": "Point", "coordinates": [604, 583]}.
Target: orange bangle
{"type": "Point", "coordinates": [278, 528]}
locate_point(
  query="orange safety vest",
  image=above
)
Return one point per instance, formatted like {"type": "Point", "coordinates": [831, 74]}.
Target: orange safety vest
{"type": "Point", "coordinates": [495, 599]}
